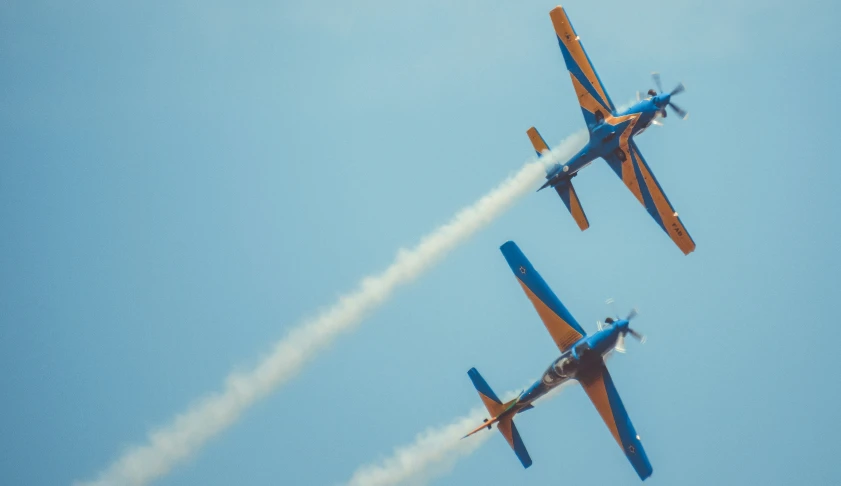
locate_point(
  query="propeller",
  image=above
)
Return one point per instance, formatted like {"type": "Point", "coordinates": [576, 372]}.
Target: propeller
{"type": "Point", "coordinates": [680, 111]}
{"type": "Point", "coordinates": [656, 77]}
{"type": "Point", "coordinates": [619, 347]}
{"type": "Point", "coordinates": [620, 340]}
{"type": "Point", "coordinates": [680, 88]}
{"type": "Point", "coordinates": [638, 336]}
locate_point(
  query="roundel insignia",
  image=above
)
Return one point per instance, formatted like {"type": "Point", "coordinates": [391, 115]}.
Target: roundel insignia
{"type": "Point", "coordinates": [523, 270]}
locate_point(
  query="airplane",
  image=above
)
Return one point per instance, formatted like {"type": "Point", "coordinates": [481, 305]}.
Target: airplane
{"type": "Point", "coordinates": [582, 359]}
{"type": "Point", "coordinates": [611, 138]}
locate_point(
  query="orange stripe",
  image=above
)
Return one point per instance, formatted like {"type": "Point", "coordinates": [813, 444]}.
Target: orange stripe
{"type": "Point", "coordinates": [616, 120]}
{"type": "Point", "coordinates": [566, 34]}
{"type": "Point", "coordinates": [598, 395]}
{"type": "Point", "coordinates": [629, 176]}
{"type": "Point", "coordinates": [667, 214]}
{"type": "Point", "coordinates": [494, 408]}
{"type": "Point", "coordinates": [562, 333]}
{"type": "Point", "coordinates": [575, 209]}
{"type": "Point", "coordinates": [504, 426]}
{"type": "Point", "coordinates": [536, 140]}
{"type": "Point", "coordinates": [586, 100]}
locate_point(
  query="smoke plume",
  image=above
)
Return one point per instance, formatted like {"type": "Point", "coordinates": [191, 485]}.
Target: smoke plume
{"type": "Point", "coordinates": [190, 430]}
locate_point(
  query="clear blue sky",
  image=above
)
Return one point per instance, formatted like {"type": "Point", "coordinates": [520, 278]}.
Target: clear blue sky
{"type": "Point", "coordinates": [183, 182]}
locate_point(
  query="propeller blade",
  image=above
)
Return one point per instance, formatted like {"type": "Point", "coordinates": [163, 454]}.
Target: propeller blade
{"type": "Point", "coordinates": [678, 89]}
{"type": "Point", "coordinates": [632, 314]}
{"type": "Point", "coordinates": [620, 344]}
{"type": "Point", "coordinates": [639, 337]}
{"type": "Point", "coordinates": [680, 111]}
{"type": "Point", "coordinates": [656, 77]}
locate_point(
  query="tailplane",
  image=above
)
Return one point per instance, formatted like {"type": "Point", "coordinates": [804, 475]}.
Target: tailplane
{"type": "Point", "coordinates": [500, 415]}
{"type": "Point", "coordinates": [570, 199]}
{"type": "Point", "coordinates": [562, 183]}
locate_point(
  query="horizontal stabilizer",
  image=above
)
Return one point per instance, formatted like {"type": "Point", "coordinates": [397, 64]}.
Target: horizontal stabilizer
{"type": "Point", "coordinates": [487, 395]}
{"type": "Point", "coordinates": [537, 141]}
{"type": "Point", "coordinates": [501, 414]}
{"type": "Point", "coordinates": [573, 204]}
{"type": "Point", "coordinates": [509, 431]}
{"type": "Point", "coordinates": [540, 147]}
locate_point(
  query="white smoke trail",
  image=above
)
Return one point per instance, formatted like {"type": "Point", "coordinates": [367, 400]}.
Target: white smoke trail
{"type": "Point", "coordinates": [433, 453]}
{"type": "Point", "coordinates": [212, 414]}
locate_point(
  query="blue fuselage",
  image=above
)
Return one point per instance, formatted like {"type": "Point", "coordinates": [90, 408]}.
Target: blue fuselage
{"type": "Point", "coordinates": [607, 136]}
{"type": "Point", "coordinates": [584, 357]}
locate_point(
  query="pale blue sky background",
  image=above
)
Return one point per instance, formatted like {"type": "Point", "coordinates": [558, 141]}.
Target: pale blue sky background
{"type": "Point", "coordinates": [183, 182]}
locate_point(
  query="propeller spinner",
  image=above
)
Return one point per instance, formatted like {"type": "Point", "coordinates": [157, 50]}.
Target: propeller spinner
{"type": "Point", "coordinates": [620, 340]}
{"type": "Point", "coordinates": [680, 88]}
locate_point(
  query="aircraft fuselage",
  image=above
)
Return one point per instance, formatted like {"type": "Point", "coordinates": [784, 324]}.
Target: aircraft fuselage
{"type": "Point", "coordinates": [582, 358]}
{"type": "Point", "coordinates": [608, 136]}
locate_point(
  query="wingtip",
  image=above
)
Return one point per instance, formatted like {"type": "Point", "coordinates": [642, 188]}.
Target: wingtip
{"type": "Point", "coordinates": [558, 13]}
{"type": "Point", "coordinates": [507, 244]}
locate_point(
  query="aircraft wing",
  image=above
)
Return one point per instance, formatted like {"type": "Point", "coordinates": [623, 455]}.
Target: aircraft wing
{"type": "Point", "coordinates": [599, 387]}
{"type": "Point", "coordinates": [591, 94]}
{"type": "Point", "coordinates": [637, 176]}
{"type": "Point", "coordinates": [563, 328]}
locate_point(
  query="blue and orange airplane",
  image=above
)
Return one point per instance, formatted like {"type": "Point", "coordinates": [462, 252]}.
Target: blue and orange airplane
{"type": "Point", "coordinates": [582, 359]}
{"type": "Point", "coordinates": [611, 138]}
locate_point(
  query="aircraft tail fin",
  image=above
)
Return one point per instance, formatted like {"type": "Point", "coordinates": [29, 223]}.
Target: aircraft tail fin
{"type": "Point", "coordinates": [570, 199]}
{"type": "Point", "coordinates": [540, 147]}
{"type": "Point", "coordinates": [563, 185]}
{"type": "Point", "coordinates": [497, 411]}
{"type": "Point", "coordinates": [492, 403]}
{"type": "Point", "coordinates": [537, 141]}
